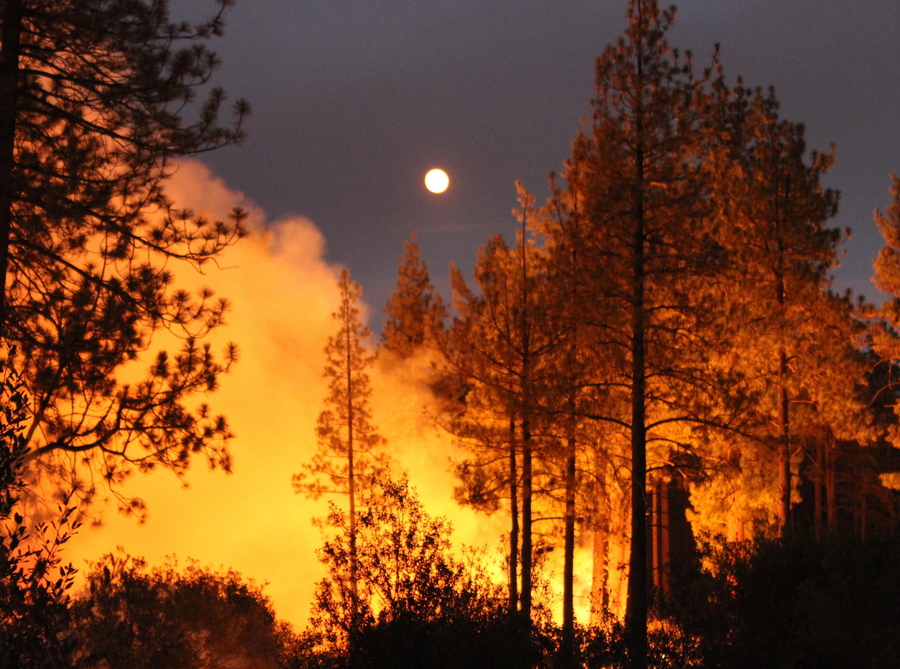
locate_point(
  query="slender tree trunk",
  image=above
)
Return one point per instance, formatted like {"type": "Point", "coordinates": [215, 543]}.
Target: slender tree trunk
{"type": "Point", "coordinates": [600, 557]}
{"type": "Point", "coordinates": [568, 621]}
{"type": "Point", "coordinates": [10, 35]}
{"type": "Point", "coordinates": [784, 436]}
{"type": "Point", "coordinates": [599, 580]}
{"type": "Point", "coordinates": [514, 518]}
{"type": "Point", "coordinates": [817, 488]}
{"type": "Point", "coordinates": [659, 500]}
{"type": "Point", "coordinates": [637, 602]}
{"type": "Point", "coordinates": [527, 548]}
{"type": "Point", "coordinates": [830, 497]}
{"type": "Point", "coordinates": [636, 608]}
{"type": "Point", "coordinates": [665, 552]}
{"type": "Point", "coordinates": [784, 452]}
{"type": "Point", "coordinates": [655, 516]}
{"type": "Point", "coordinates": [527, 445]}
{"type": "Point", "coordinates": [863, 510]}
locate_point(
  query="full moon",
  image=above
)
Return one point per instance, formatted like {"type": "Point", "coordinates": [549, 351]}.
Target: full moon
{"type": "Point", "coordinates": [437, 181]}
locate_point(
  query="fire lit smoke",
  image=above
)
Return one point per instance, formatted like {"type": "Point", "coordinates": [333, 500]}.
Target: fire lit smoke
{"type": "Point", "coordinates": [282, 292]}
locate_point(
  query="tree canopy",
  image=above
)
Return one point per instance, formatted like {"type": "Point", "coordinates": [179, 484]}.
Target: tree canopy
{"type": "Point", "coordinates": [97, 99]}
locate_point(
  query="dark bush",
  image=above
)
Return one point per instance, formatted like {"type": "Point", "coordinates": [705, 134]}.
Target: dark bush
{"type": "Point", "coordinates": [797, 603]}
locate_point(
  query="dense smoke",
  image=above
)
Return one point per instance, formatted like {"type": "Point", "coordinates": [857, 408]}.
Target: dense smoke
{"type": "Point", "coordinates": [283, 292]}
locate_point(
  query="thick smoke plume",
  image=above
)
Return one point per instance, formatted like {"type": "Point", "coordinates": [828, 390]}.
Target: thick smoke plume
{"type": "Point", "coordinates": [283, 292]}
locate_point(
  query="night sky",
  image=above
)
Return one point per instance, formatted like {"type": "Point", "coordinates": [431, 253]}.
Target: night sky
{"type": "Point", "coordinates": [354, 101]}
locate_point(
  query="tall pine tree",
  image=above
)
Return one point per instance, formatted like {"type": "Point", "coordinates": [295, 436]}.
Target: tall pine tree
{"type": "Point", "coordinates": [350, 452]}
{"type": "Point", "coordinates": [636, 198]}
{"type": "Point", "coordinates": [500, 348]}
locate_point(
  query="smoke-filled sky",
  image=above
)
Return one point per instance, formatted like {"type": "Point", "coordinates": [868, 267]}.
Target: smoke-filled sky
{"type": "Point", "coordinates": [352, 103]}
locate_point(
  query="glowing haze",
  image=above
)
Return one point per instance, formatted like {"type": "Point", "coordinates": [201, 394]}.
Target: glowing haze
{"type": "Point", "coordinates": [282, 292]}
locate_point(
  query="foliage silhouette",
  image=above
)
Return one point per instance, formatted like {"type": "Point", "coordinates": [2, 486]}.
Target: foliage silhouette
{"type": "Point", "coordinates": [419, 605]}
{"type": "Point", "coordinates": [34, 613]}
{"type": "Point", "coordinates": [96, 102]}
{"type": "Point", "coordinates": [414, 314]}
{"type": "Point", "coordinates": [795, 603]}
{"type": "Point", "coordinates": [350, 450]}
{"type": "Point", "coordinates": [132, 616]}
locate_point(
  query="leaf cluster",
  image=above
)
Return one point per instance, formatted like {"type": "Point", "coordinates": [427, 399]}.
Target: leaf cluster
{"type": "Point", "coordinates": [34, 584]}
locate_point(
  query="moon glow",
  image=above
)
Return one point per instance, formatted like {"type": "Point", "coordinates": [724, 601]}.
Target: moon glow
{"type": "Point", "coordinates": [437, 180]}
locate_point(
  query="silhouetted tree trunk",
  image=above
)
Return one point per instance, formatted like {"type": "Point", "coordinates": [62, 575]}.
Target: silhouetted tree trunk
{"type": "Point", "coordinates": [818, 482]}
{"type": "Point", "coordinates": [600, 559]}
{"type": "Point", "coordinates": [784, 446]}
{"type": "Point", "coordinates": [350, 347]}
{"type": "Point", "coordinates": [527, 535]}
{"type": "Point", "coordinates": [9, 93]}
{"type": "Point", "coordinates": [831, 488]}
{"type": "Point", "coordinates": [784, 432]}
{"type": "Point", "coordinates": [527, 411]}
{"type": "Point", "coordinates": [513, 570]}
{"type": "Point", "coordinates": [568, 619]}
{"type": "Point", "coordinates": [636, 612]}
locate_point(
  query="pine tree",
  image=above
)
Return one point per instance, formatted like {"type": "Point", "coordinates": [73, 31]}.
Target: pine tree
{"type": "Point", "coordinates": [636, 199]}
{"type": "Point", "coordinates": [566, 396]}
{"type": "Point", "coordinates": [350, 451]}
{"type": "Point", "coordinates": [887, 277]}
{"type": "Point", "coordinates": [781, 317]}
{"type": "Point", "coordinates": [482, 353]}
{"type": "Point", "coordinates": [884, 324]}
{"type": "Point", "coordinates": [95, 100]}
{"type": "Point", "coordinates": [584, 403]}
{"type": "Point", "coordinates": [500, 348]}
{"type": "Point", "coordinates": [415, 313]}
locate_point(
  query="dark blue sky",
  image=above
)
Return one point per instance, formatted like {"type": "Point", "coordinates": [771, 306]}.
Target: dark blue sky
{"type": "Point", "coordinates": [353, 100]}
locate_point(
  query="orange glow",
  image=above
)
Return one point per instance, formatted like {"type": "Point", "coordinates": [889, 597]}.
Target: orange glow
{"type": "Point", "coordinates": [283, 293]}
